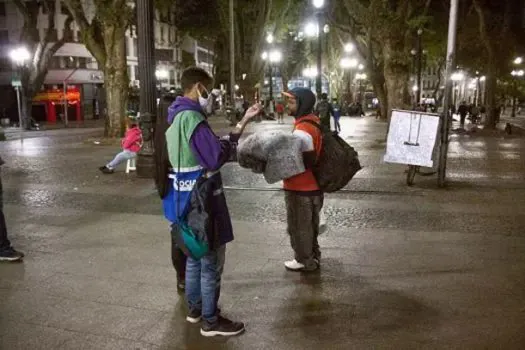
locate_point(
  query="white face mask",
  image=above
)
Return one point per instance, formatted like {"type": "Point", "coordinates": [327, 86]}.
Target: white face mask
{"type": "Point", "coordinates": [205, 102]}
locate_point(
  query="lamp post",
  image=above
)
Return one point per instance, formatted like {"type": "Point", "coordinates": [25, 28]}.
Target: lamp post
{"type": "Point", "coordinates": [148, 100]}
{"type": "Point", "coordinates": [360, 77]}
{"type": "Point", "coordinates": [456, 78]}
{"type": "Point", "coordinates": [273, 57]}
{"type": "Point", "coordinates": [319, 4]}
{"type": "Point", "coordinates": [20, 56]}
{"type": "Point", "coordinates": [418, 57]}
{"type": "Point", "coordinates": [349, 64]}
{"type": "Point", "coordinates": [515, 74]}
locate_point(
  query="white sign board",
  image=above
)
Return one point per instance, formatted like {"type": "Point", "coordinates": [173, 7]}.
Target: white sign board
{"type": "Point", "coordinates": [411, 138]}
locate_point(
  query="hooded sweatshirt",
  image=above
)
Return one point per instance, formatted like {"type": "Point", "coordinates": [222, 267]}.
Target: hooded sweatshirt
{"type": "Point", "coordinates": [305, 183]}
{"type": "Point", "coordinates": [132, 140]}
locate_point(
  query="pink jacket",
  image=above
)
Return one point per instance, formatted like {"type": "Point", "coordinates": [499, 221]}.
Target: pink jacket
{"type": "Point", "coordinates": [132, 141]}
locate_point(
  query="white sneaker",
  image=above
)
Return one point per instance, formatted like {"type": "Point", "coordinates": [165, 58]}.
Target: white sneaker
{"type": "Point", "coordinates": [293, 265]}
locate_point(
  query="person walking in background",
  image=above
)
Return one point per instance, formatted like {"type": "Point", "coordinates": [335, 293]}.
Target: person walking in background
{"type": "Point", "coordinates": [324, 111]}
{"type": "Point", "coordinates": [131, 145]}
{"type": "Point", "coordinates": [279, 109]}
{"type": "Point", "coordinates": [303, 197]}
{"type": "Point", "coordinates": [462, 111]}
{"type": "Point", "coordinates": [337, 114]}
{"type": "Point", "coordinates": [7, 252]}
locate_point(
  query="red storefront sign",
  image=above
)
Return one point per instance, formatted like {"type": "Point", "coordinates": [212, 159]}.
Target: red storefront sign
{"type": "Point", "coordinates": [53, 97]}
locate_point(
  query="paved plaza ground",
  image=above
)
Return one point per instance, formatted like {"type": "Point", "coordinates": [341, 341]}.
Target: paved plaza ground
{"type": "Point", "coordinates": [403, 268]}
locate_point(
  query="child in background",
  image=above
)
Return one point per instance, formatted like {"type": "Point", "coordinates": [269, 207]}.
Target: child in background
{"type": "Point", "coordinates": [131, 145]}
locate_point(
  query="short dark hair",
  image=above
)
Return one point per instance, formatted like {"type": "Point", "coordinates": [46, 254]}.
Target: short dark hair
{"type": "Point", "coordinates": [194, 75]}
{"type": "Point", "coordinates": [324, 96]}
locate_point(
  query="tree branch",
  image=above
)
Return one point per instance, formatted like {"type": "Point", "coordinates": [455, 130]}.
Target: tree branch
{"type": "Point", "coordinates": [90, 31]}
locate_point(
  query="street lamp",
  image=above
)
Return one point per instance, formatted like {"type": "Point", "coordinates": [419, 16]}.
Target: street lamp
{"type": "Point", "coordinates": [20, 56]}
{"type": "Point", "coordinates": [311, 29]}
{"type": "Point", "coordinates": [274, 57]}
{"type": "Point", "coordinates": [349, 64]}
{"type": "Point", "coordinates": [515, 74]}
{"type": "Point", "coordinates": [319, 4]}
{"type": "Point", "coordinates": [456, 77]}
{"type": "Point", "coordinates": [360, 77]}
{"type": "Point", "coordinates": [418, 55]}
{"type": "Point", "coordinates": [269, 38]}
{"type": "Point", "coordinates": [349, 47]}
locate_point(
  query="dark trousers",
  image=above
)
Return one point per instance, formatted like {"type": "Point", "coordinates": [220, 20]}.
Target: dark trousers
{"type": "Point", "coordinates": [178, 258]}
{"type": "Point", "coordinates": [462, 118]}
{"type": "Point", "coordinates": [302, 214]}
{"type": "Point", "coordinates": [4, 242]}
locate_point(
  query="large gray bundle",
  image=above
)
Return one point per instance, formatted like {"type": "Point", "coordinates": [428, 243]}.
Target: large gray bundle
{"type": "Point", "coordinates": [275, 154]}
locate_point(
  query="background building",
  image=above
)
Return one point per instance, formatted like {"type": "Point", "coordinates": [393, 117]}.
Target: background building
{"type": "Point", "coordinates": [73, 64]}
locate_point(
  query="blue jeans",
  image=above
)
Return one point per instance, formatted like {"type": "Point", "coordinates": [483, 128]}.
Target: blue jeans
{"type": "Point", "coordinates": [121, 158]}
{"type": "Point", "coordinates": [203, 283]}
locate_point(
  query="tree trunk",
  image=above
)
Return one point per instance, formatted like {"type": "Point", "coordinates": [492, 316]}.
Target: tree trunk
{"type": "Point", "coordinates": [397, 74]}
{"type": "Point", "coordinates": [26, 104]}
{"type": "Point", "coordinates": [378, 86]}
{"type": "Point", "coordinates": [116, 82]}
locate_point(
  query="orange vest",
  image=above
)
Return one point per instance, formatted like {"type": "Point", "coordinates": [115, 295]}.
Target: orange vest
{"type": "Point", "coordinates": [306, 181]}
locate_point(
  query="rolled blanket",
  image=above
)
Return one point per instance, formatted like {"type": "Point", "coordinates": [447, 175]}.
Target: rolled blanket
{"type": "Point", "coordinates": [277, 155]}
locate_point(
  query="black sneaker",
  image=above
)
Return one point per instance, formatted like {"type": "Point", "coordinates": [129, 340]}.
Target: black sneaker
{"type": "Point", "coordinates": [11, 255]}
{"type": "Point", "coordinates": [194, 316]}
{"type": "Point", "coordinates": [223, 327]}
{"type": "Point", "coordinates": [106, 170]}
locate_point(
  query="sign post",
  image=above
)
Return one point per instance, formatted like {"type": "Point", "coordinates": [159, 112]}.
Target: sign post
{"type": "Point", "coordinates": [17, 84]}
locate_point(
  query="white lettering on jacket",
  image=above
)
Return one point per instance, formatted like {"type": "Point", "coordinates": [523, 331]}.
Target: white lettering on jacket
{"type": "Point", "coordinates": [183, 185]}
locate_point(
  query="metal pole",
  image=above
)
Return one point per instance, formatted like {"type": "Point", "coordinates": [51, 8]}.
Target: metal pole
{"type": "Point", "coordinates": [318, 78]}
{"type": "Point", "coordinates": [65, 104]}
{"type": "Point", "coordinates": [148, 86]}
{"type": "Point", "coordinates": [513, 113]}
{"type": "Point", "coordinates": [419, 64]}
{"type": "Point", "coordinates": [271, 83]}
{"type": "Point", "coordinates": [232, 54]}
{"type": "Point", "coordinates": [451, 51]}
{"type": "Point", "coordinates": [20, 124]}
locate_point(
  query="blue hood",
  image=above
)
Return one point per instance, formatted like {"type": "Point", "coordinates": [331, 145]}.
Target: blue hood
{"type": "Point", "coordinates": [182, 104]}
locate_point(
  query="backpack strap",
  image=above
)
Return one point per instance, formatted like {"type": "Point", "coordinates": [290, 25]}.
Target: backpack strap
{"type": "Point", "coordinates": [317, 125]}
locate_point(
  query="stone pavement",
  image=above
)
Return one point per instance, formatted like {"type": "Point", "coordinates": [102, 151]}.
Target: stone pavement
{"type": "Point", "coordinates": [403, 268]}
